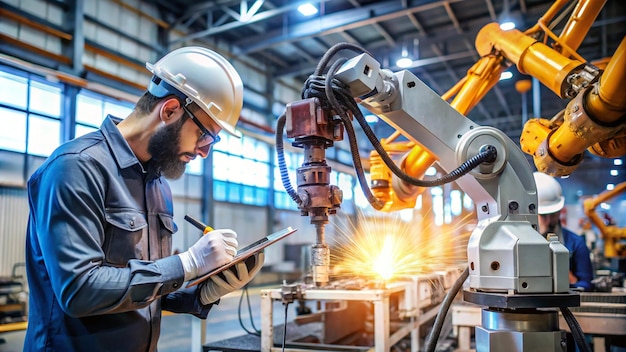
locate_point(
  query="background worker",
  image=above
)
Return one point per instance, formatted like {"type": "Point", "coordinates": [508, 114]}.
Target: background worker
{"type": "Point", "coordinates": [551, 202]}
{"type": "Point", "coordinates": [98, 248]}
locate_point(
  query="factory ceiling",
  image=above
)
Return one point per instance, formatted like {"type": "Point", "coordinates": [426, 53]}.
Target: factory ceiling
{"type": "Point", "coordinates": [439, 36]}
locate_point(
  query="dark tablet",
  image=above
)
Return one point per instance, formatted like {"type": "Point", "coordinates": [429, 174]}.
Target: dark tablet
{"type": "Point", "coordinates": [246, 252]}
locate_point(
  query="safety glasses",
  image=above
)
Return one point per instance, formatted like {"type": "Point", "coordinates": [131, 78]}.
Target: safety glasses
{"type": "Point", "coordinates": [207, 138]}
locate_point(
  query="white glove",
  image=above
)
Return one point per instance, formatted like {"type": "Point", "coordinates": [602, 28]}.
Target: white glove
{"type": "Point", "coordinates": [212, 250]}
{"type": "Point", "coordinates": [236, 277]}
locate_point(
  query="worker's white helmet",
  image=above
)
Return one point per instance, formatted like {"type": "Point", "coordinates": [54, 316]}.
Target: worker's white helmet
{"type": "Point", "coordinates": [549, 194]}
{"type": "Point", "coordinates": [204, 77]}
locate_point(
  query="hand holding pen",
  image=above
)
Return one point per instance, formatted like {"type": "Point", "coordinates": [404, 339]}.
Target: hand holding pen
{"type": "Point", "coordinates": [214, 249]}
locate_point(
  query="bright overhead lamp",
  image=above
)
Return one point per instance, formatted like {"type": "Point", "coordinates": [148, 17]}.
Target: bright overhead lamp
{"type": "Point", "coordinates": [507, 25]}
{"type": "Point", "coordinates": [371, 118]}
{"type": "Point", "coordinates": [307, 9]}
{"type": "Point", "coordinates": [404, 62]}
{"type": "Point", "coordinates": [506, 75]}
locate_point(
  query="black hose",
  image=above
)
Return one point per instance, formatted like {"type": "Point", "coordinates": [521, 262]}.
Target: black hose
{"type": "Point", "coordinates": [577, 331]}
{"type": "Point", "coordinates": [433, 337]}
{"type": "Point", "coordinates": [487, 155]}
{"type": "Point", "coordinates": [254, 331]}
{"type": "Point", "coordinates": [336, 99]}
{"type": "Point", "coordinates": [354, 148]}
{"type": "Point", "coordinates": [280, 153]}
{"type": "Point", "coordinates": [358, 166]}
{"type": "Point", "coordinates": [321, 66]}
{"type": "Point", "coordinates": [285, 326]}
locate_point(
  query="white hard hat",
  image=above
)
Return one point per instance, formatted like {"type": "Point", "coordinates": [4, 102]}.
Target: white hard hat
{"type": "Point", "coordinates": [549, 194]}
{"type": "Point", "coordinates": [204, 77]}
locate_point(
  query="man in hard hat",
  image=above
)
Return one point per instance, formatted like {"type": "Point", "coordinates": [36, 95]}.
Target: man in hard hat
{"type": "Point", "coordinates": [551, 202]}
{"type": "Point", "coordinates": [98, 248]}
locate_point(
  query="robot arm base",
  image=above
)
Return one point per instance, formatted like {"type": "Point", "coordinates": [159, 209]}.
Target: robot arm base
{"type": "Point", "coordinates": [511, 257]}
{"type": "Point", "coordinates": [514, 301]}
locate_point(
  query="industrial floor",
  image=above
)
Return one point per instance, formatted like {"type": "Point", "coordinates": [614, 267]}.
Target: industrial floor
{"type": "Point", "coordinates": [222, 323]}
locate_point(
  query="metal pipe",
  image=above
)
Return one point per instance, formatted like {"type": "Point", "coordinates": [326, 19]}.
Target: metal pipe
{"type": "Point", "coordinates": [609, 104]}
{"type": "Point", "coordinates": [530, 56]}
{"type": "Point", "coordinates": [580, 21]}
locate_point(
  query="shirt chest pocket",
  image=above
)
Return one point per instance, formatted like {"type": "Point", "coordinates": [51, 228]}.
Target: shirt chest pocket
{"type": "Point", "coordinates": [124, 236]}
{"type": "Point", "coordinates": [167, 228]}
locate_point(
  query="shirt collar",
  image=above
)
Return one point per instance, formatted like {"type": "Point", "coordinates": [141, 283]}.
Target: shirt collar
{"type": "Point", "coordinates": [124, 156]}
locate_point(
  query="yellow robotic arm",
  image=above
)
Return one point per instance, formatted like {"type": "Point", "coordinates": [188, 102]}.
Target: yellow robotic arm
{"type": "Point", "coordinates": [595, 119]}
{"type": "Point", "coordinates": [611, 234]}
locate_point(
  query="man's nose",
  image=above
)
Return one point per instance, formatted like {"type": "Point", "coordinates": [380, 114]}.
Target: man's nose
{"type": "Point", "coordinates": [203, 151]}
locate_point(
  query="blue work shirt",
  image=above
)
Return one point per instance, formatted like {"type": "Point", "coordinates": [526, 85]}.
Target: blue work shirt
{"type": "Point", "coordinates": [579, 259]}
{"type": "Point", "coordinates": [98, 250]}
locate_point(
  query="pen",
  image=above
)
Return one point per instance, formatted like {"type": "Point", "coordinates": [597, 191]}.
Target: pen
{"type": "Point", "coordinates": [202, 227]}
{"type": "Point", "coordinates": [205, 229]}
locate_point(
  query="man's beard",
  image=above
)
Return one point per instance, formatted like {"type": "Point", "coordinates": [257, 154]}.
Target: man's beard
{"type": "Point", "coordinates": [552, 227]}
{"type": "Point", "coordinates": [163, 146]}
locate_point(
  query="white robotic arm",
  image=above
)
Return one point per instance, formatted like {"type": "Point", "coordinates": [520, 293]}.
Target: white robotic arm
{"type": "Point", "coordinates": [505, 251]}
{"type": "Point", "coordinates": [513, 269]}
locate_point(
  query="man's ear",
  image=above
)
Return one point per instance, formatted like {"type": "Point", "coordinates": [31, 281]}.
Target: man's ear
{"type": "Point", "coordinates": [168, 109]}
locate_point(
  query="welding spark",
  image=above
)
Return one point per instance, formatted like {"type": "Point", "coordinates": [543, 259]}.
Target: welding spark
{"type": "Point", "coordinates": [386, 248]}
{"type": "Point", "coordinates": [384, 265]}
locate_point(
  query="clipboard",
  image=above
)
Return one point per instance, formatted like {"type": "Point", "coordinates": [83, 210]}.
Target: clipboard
{"type": "Point", "coordinates": [246, 252]}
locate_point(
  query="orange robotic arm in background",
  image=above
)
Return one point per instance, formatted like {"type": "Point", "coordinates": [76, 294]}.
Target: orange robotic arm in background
{"type": "Point", "coordinates": [611, 234]}
{"type": "Point", "coordinates": [393, 192]}
{"type": "Point", "coordinates": [594, 119]}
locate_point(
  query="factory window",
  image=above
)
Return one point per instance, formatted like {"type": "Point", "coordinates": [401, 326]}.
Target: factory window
{"type": "Point", "coordinates": [456, 206]}
{"type": "Point", "coordinates": [30, 109]}
{"type": "Point", "coordinates": [359, 198]}
{"type": "Point", "coordinates": [195, 166]}
{"type": "Point", "coordinates": [282, 200]}
{"type": "Point", "coordinates": [468, 204]}
{"type": "Point", "coordinates": [92, 108]}
{"type": "Point", "coordinates": [14, 88]}
{"type": "Point", "coordinates": [438, 205]}
{"type": "Point", "coordinates": [345, 182]}
{"type": "Point", "coordinates": [241, 170]}
{"type": "Point", "coordinates": [13, 133]}
{"type": "Point", "coordinates": [41, 137]}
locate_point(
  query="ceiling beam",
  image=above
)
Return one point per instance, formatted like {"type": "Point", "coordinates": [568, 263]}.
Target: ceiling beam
{"type": "Point", "coordinates": [332, 23]}
{"type": "Point", "coordinates": [260, 16]}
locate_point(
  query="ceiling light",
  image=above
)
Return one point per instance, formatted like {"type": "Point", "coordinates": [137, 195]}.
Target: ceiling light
{"type": "Point", "coordinates": [404, 62]}
{"type": "Point", "coordinates": [610, 186]}
{"type": "Point", "coordinates": [371, 118]}
{"type": "Point", "coordinates": [507, 26]}
{"type": "Point", "coordinates": [307, 9]}
{"type": "Point", "coordinates": [617, 162]}
{"type": "Point", "coordinates": [614, 173]}
{"type": "Point", "coordinates": [506, 75]}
